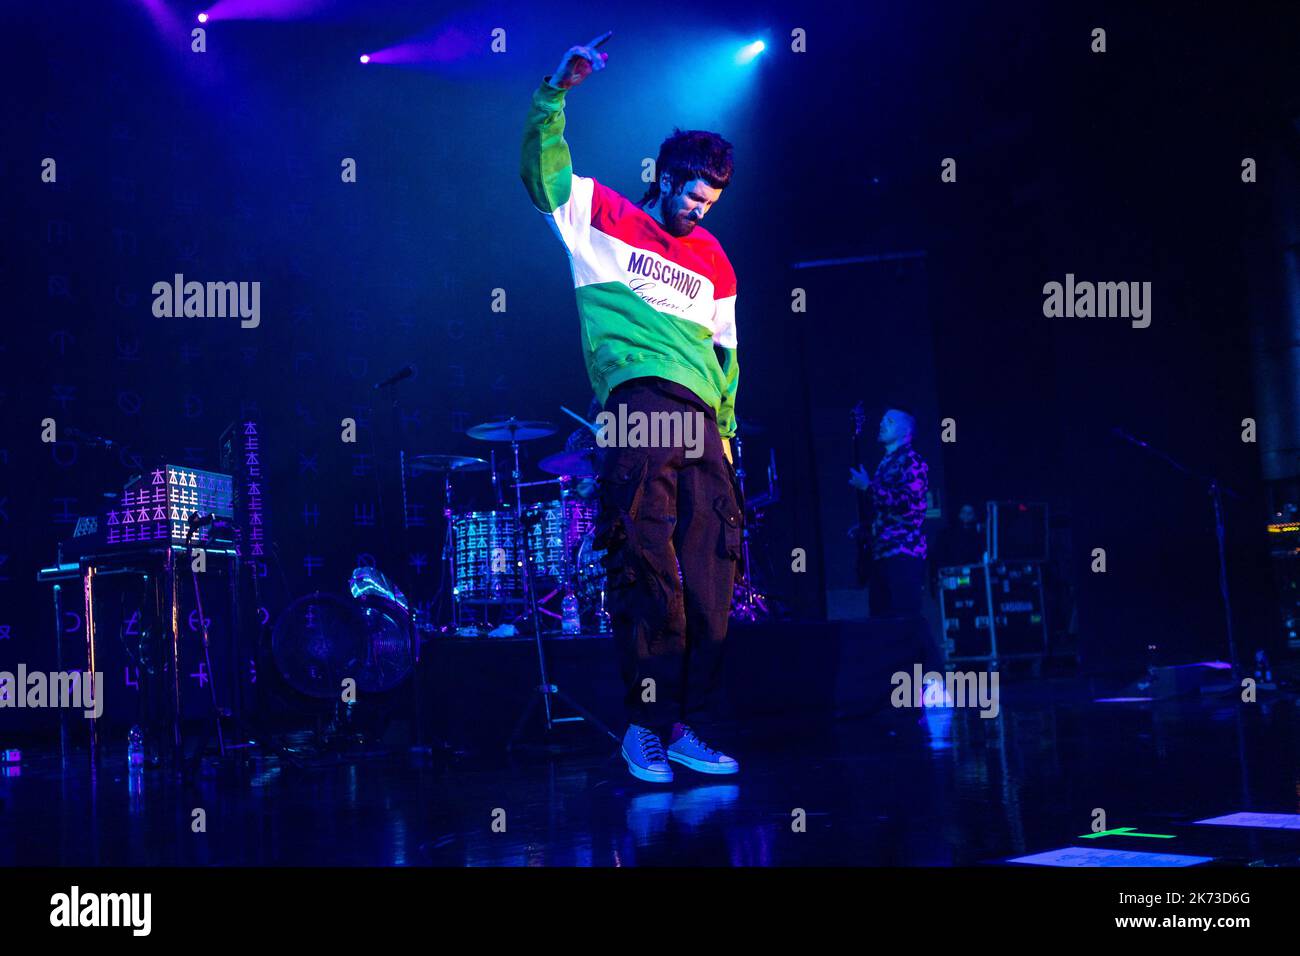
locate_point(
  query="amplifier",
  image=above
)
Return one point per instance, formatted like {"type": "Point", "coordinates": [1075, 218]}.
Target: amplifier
{"type": "Point", "coordinates": [156, 506]}
{"type": "Point", "coordinates": [1018, 605]}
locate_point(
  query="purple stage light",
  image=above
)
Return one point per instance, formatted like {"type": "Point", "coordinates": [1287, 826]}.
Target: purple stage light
{"type": "Point", "coordinates": [448, 46]}
{"type": "Point", "coordinates": [266, 9]}
{"type": "Point", "coordinates": [203, 18]}
{"type": "Point", "coordinates": [165, 20]}
{"type": "Point", "coordinates": [365, 58]}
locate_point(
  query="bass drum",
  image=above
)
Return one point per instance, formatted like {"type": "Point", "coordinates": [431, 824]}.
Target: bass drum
{"type": "Point", "coordinates": [487, 563]}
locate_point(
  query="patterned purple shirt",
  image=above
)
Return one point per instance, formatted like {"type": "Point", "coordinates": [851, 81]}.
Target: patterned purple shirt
{"type": "Point", "coordinates": [898, 490]}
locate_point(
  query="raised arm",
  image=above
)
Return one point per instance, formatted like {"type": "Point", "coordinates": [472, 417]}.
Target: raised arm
{"type": "Point", "coordinates": [546, 166]}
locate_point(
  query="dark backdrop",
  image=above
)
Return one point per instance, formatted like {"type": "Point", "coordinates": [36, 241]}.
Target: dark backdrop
{"type": "Point", "coordinates": [225, 166]}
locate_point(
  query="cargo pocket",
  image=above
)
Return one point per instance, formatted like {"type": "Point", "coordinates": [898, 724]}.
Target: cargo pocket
{"type": "Point", "coordinates": [620, 568]}
{"type": "Point", "coordinates": [620, 503]}
{"type": "Point", "coordinates": [732, 523]}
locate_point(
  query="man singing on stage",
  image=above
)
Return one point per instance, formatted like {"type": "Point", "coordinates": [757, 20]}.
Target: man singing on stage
{"type": "Point", "coordinates": [657, 304]}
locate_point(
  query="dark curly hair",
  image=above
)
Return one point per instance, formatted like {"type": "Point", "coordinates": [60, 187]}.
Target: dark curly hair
{"type": "Point", "coordinates": [691, 154]}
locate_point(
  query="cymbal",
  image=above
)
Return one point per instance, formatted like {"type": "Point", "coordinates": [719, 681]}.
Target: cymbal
{"type": "Point", "coordinates": [512, 429]}
{"type": "Point", "coordinates": [439, 464]}
{"type": "Point", "coordinates": [579, 463]}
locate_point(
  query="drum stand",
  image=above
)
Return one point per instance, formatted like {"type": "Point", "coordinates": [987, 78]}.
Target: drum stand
{"type": "Point", "coordinates": [404, 549]}
{"type": "Point", "coordinates": [448, 564]}
{"type": "Point", "coordinates": [545, 690]}
{"type": "Point", "coordinates": [750, 604]}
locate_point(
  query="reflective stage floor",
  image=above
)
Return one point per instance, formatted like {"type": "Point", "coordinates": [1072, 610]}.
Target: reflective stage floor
{"type": "Point", "coordinates": [892, 789]}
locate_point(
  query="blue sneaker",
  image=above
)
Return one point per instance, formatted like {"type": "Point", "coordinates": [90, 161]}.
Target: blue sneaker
{"type": "Point", "coordinates": [690, 751]}
{"type": "Point", "coordinates": [644, 753]}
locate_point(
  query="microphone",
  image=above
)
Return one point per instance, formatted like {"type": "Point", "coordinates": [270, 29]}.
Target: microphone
{"type": "Point", "coordinates": [396, 377]}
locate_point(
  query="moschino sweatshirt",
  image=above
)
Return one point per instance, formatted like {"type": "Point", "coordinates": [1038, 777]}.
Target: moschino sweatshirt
{"type": "Point", "coordinates": [650, 303]}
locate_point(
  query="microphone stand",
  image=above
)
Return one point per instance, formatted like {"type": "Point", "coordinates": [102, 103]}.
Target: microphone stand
{"type": "Point", "coordinates": [544, 691]}
{"type": "Point", "coordinates": [1216, 490]}
{"type": "Point", "coordinates": [403, 549]}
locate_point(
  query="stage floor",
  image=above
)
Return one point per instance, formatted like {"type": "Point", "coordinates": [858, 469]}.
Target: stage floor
{"type": "Point", "coordinates": [884, 790]}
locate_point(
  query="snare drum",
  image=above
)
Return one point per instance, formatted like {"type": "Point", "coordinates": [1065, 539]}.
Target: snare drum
{"type": "Point", "coordinates": [487, 566]}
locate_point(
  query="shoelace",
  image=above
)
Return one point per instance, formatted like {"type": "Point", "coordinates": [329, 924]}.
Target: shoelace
{"type": "Point", "coordinates": [690, 735]}
{"type": "Point", "coordinates": [652, 748]}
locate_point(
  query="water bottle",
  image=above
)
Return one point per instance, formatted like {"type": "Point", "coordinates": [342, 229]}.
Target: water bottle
{"type": "Point", "coordinates": [603, 625]}
{"type": "Point", "coordinates": [569, 613]}
{"type": "Point", "coordinates": [135, 747]}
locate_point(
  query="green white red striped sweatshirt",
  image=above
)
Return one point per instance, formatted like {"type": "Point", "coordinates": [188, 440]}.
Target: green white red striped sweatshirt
{"type": "Point", "coordinates": [650, 303]}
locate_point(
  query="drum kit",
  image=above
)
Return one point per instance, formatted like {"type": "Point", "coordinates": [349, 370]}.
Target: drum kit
{"type": "Point", "coordinates": [505, 564]}
{"type": "Point", "coordinates": [537, 560]}
{"type": "Point", "coordinates": [523, 559]}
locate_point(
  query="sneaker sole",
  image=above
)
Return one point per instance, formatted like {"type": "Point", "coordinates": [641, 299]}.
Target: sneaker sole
{"type": "Point", "coordinates": [704, 766]}
{"type": "Point", "coordinates": [641, 773]}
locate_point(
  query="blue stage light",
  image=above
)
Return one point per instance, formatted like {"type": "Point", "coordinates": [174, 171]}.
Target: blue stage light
{"type": "Point", "coordinates": [749, 51]}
